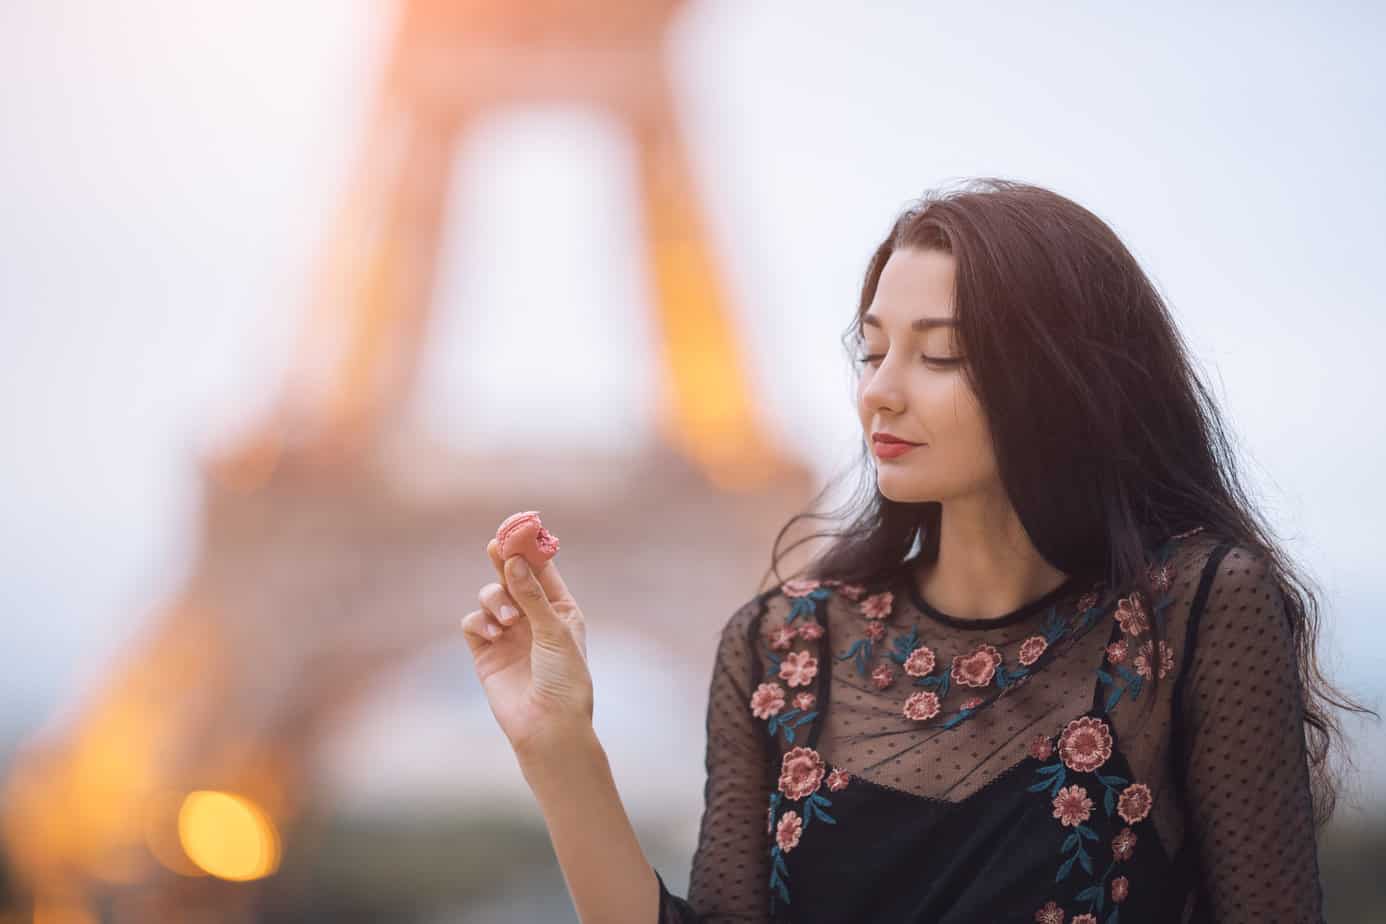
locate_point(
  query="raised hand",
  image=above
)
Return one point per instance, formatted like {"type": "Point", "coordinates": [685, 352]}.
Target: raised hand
{"type": "Point", "coordinates": [529, 647]}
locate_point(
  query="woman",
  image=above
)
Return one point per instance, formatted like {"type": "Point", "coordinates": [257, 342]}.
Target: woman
{"type": "Point", "coordinates": [1052, 668]}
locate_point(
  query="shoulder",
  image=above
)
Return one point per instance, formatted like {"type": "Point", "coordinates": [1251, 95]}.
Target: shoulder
{"type": "Point", "coordinates": [1230, 609]}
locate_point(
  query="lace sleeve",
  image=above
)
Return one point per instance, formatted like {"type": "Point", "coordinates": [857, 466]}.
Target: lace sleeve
{"type": "Point", "coordinates": [1242, 753]}
{"type": "Point", "coordinates": [729, 881]}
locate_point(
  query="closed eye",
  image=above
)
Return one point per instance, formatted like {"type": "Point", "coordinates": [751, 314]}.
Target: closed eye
{"type": "Point", "coordinates": [873, 358]}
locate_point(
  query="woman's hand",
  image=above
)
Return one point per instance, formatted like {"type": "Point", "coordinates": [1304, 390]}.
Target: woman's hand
{"type": "Point", "coordinates": [529, 646]}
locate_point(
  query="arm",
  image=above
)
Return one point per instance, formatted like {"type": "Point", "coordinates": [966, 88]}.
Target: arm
{"type": "Point", "coordinates": [606, 872]}
{"type": "Point", "coordinates": [729, 881]}
{"type": "Point", "coordinates": [1248, 803]}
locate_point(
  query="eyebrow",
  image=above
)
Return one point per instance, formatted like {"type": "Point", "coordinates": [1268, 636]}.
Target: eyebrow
{"type": "Point", "coordinates": [916, 324]}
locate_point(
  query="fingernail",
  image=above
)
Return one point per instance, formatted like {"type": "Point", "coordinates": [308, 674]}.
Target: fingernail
{"type": "Point", "coordinates": [493, 631]}
{"type": "Point", "coordinates": [522, 569]}
{"type": "Point", "coordinates": [507, 613]}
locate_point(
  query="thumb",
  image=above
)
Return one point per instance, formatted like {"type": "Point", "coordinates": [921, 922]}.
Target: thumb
{"type": "Point", "coordinates": [526, 590]}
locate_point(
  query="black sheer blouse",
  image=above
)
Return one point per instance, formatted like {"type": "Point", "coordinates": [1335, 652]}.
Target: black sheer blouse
{"type": "Point", "coordinates": [870, 758]}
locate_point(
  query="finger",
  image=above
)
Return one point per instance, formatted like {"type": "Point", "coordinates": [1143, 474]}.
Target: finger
{"type": "Point", "coordinates": [549, 578]}
{"type": "Point", "coordinates": [552, 582]}
{"type": "Point", "coordinates": [496, 601]}
{"type": "Point", "coordinates": [476, 627]}
{"type": "Point", "coordinates": [493, 551]}
{"type": "Point", "coordinates": [526, 590]}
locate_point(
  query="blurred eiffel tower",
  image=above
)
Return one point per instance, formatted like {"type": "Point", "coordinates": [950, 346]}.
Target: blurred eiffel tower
{"type": "Point", "coordinates": [333, 549]}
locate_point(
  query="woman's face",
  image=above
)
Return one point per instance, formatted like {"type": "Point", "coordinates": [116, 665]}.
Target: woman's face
{"type": "Point", "coordinates": [912, 386]}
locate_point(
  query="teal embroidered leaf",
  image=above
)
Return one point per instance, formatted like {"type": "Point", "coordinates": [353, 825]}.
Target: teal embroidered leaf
{"type": "Point", "coordinates": [807, 717]}
{"type": "Point", "coordinates": [856, 646]}
{"type": "Point", "coordinates": [1084, 859]}
{"type": "Point", "coordinates": [1069, 843]}
{"type": "Point", "coordinates": [1105, 677]}
{"type": "Point", "coordinates": [1089, 894]}
{"type": "Point", "coordinates": [1109, 803]}
{"type": "Point", "coordinates": [1112, 780]}
{"type": "Point", "coordinates": [1112, 918]}
{"type": "Point", "coordinates": [1087, 832]}
{"type": "Point", "coordinates": [1113, 699]}
{"type": "Point", "coordinates": [1063, 870]}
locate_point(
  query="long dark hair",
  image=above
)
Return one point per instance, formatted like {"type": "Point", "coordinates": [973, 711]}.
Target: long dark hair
{"type": "Point", "coordinates": [1081, 370]}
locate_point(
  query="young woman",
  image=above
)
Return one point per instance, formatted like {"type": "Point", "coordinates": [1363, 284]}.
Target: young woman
{"type": "Point", "coordinates": [1051, 666]}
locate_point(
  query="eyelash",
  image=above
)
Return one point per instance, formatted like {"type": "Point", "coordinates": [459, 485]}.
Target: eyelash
{"type": "Point", "coordinates": [952, 361]}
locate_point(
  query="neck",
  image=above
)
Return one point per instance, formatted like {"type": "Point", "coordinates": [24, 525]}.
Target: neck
{"type": "Point", "coordinates": [987, 566]}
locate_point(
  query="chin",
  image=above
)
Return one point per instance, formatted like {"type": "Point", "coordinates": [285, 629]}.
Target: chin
{"type": "Point", "coordinates": [903, 493]}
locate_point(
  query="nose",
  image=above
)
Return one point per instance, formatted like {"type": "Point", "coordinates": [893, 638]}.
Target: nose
{"type": "Point", "coordinates": [881, 390]}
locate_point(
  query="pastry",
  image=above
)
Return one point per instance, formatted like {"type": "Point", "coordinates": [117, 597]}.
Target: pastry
{"type": "Point", "coordinates": [523, 534]}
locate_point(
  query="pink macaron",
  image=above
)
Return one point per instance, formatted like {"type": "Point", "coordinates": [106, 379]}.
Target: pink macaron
{"type": "Point", "coordinates": [523, 534]}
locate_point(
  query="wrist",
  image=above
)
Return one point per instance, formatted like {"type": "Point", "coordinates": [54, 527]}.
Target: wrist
{"type": "Point", "coordinates": [559, 752]}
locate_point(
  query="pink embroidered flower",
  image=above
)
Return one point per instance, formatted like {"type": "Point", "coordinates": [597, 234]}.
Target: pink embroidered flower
{"type": "Point", "coordinates": [852, 591]}
{"type": "Point", "coordinates": [838, 779]}
{"type": "Point", "coordinates": [922, 706]}
{"type": "Point", "coordinates": [1072, 806]}
{"type": "Point", "coordinates": [1121, 887]}
{"type": "Point", "coordinates": [1085, 744]}
{"type": "Point", "coordinates": [972, 702]}
{"type": "Point", "coordinates": [787, 835]}
{"type": "Point", "coordinates": [801, 772]}
{"type": "Point", "coordinates": [1134, 803]}
{"type": "Point", "coordinates": [1032, 648]}
{"type": "Point", "coordinates": [800, 588]}
{"type": "Point", "coordinates": [1041, 748]}
{"type": "Point", "coordinates": [767, 700]}
{"type": "Point", "coordinates": [798, 668]}
{"type": "Point", "coordinates": [782, 638]}
{"type": "Point", "coordinates": [921, 662]}
{"type": "Point", "coordinates": [1160, 577]}
{"type": "Point", "coordinates": [810, 631]}
{"type": "Point", "coordinates": [1050, 914]}
{"type": "Point", "coordinates": [976, 669]}
{"type": "Point", "coordinates": [1146, 655]}
{"type": "Point", "coordinates": [1123, 844]}
{"type": "Point", "coordinates": [1131, 614]}
{"type": "Point", "coordinates": [875, 631]}
{"type": "Point", "coordinates": [1084, 919]}
{"type": "Point", "coordinates": [1086, 602]}
{"type": "Point", "coordinates": [804, 701]}
{"type": "Point", "coordinates": [1116, 652]}
{"type": "Point", "coordinates": [877, 606]}
{"type": "Point", "coordinates": [882, 675]}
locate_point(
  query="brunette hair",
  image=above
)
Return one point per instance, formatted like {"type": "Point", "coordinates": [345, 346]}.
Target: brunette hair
{"type": "Point", "coordinates": [1107, 442]}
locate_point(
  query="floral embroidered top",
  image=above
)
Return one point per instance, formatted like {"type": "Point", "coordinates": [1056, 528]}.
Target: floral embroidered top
{"type": "Point", "coordinates": [870, 758]}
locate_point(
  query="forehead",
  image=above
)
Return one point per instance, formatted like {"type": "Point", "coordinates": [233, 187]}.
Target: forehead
{"type": "Point", "coordinates": [914, 284]}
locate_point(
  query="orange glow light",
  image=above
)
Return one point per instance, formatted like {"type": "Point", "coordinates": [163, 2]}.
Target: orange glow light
{"type": "Point", "coordinates": [228, 836]}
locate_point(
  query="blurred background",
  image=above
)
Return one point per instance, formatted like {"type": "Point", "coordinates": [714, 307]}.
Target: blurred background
{"type": "Point", "coordinates": [300, 299]}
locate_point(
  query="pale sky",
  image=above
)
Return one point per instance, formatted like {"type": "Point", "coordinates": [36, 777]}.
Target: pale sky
{"type": "Point", "coordinates": [166, 169]}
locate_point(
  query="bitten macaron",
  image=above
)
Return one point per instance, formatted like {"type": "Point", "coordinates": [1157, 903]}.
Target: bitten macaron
{"type": "Point", "coordinates": [523, 534]}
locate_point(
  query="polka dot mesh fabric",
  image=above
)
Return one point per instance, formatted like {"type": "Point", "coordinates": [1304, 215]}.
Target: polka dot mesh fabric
{"type": "Point", "coordinates": [901, 697]}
